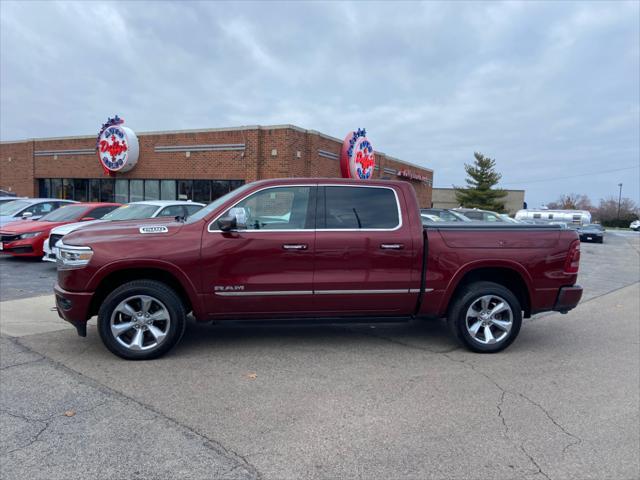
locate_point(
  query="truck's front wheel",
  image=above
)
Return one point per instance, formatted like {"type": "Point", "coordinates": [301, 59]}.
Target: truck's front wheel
{"type": "Point", "coordinates": [141, 320]}
{"type": "Point", "coordinates": [485, 316]}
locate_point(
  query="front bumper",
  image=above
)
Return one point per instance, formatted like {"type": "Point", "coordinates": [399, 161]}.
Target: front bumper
{"type": "Point", "coordinates": [74, 307]}
{"type": "Point", "coordinates": [19, 248]}
{"type": "Point", "coordinates": [568, 298]}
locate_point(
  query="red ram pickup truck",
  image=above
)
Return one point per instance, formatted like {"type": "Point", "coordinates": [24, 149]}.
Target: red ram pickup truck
{"type": "Point", "coordinates": [312, 248]}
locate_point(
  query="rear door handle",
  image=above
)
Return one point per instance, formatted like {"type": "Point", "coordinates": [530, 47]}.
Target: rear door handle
{"type": "Point", "coordinates": [391, 246]}
{"type": "Point", "coordinates": [295, 246]}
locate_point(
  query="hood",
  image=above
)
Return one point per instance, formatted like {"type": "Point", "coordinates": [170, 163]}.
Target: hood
{"type": "Point", "coordinates": [109, 231]}
{"type": "Point", "coordinates": [27, 226]}
{"type": "Point", "coordinates": [72, 227]}
{"type": "Point", "coordinates": [4, 219]}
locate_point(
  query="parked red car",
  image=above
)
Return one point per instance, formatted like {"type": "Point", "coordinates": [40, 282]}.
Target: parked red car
{"type": "Point", "coordinates": [315, 248]}
{"type": "Point", "coordinates": [25, 238]}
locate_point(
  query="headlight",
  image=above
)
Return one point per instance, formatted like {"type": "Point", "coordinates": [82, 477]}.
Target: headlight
{"type": "Point", "coordinates": [70, 256]}
{"type": "Point", "coordinates": [29, 235]}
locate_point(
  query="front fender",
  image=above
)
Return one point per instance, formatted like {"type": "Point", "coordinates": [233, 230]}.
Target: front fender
{"type": "Point", "coordinates": [168, 267]}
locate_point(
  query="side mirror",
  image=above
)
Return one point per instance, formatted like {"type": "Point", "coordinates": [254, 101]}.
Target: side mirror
{"type": "Point", "coordinates": [86, 219]}
{"type": "Point", "coordinates": [26, 215]}
{"type": "Point", "coordinates": [227, 223]}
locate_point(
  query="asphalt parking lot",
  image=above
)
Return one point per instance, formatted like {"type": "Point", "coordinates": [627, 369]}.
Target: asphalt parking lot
{"type": "Point", "coordinates": [383, 401]}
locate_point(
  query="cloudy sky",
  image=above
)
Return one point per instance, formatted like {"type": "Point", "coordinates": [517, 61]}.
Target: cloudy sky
{"type": "Point", "coordinates": [550, 90]}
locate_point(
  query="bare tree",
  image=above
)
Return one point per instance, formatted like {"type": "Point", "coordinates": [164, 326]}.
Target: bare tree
{"type": "Point", "coordinates": [572, 201]}
{"type": "Point", "coordinates": [607, 211]}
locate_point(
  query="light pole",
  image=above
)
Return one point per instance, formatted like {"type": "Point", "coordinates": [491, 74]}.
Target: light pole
{"type": "Point", "coordinates": [619, 200]}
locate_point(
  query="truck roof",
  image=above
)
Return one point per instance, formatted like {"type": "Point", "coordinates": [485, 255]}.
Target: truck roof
{"type": "Point", "coordinates": [327, 180]}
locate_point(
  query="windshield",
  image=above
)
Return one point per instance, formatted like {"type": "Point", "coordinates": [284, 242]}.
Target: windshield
{"type": "Point", "coordinates": [132, 211]}
{"type": "Point", "coordinates": [64, 214]}
{"type": "Point", "coordinates": [200, 214]}
{"type": "Point", "coordinates": [11, 208]}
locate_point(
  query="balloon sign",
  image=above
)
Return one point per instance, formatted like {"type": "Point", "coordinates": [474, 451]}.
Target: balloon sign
{"type": "Point", "coordinates": [356, 158]}
{"type": "Point", "coordinates": [117, 147]}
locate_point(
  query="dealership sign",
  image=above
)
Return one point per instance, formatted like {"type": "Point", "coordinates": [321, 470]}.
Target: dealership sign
{"type": "Point", "coordinates": [412, 175]}
{"type": "Point", "coordinates": [356, 158]}
{"type": "Point", "coordinates": [117, 146]}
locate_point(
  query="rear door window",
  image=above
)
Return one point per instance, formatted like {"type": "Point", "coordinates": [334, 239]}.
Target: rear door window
{"type": "Point", "coordinates": [360, 208]}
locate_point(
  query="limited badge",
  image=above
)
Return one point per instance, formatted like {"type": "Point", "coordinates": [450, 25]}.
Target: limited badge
{"type": "Point", "coordinates": [154, 229]}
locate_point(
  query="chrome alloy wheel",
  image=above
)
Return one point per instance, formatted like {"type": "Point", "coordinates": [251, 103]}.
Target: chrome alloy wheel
{"type": "Point", "coordinates": [489, 319]}
{"type": "Point", "coordinates": [140, 323]}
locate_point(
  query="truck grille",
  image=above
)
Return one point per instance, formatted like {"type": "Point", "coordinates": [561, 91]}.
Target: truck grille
{"type": "Point", "coordinates": [53, 239]}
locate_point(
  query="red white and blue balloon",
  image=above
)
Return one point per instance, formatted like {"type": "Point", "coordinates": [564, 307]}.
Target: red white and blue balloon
{"type": "Point", "coordinates": [357, 159]}
{"type": "Point", "coordinates": [117, 146]}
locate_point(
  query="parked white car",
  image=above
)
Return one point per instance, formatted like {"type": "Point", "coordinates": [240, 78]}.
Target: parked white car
{"type": "Point", "coordinates": [635, 225]}
{"type": "Point", "coordinates": [129, 211]}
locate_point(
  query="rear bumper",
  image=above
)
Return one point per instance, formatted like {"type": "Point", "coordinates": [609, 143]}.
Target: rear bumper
{"type": "Point", "coordinates": [73, 307]}
{"type": "Point", "coordinates": [568, 298]}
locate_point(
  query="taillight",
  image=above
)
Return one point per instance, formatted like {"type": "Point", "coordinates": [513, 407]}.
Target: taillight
{"type": "Point", "coordinates": [572, 263]}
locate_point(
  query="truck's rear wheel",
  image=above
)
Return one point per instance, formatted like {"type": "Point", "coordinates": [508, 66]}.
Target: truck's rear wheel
{"type": "Point", "coordinates": [485, 316]}
{"type": "Point", "coordinates": [141, 320]}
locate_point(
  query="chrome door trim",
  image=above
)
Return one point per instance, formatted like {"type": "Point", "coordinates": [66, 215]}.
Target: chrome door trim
{"type": "Point", "coordinates": [398, 227]}
{"type": "Point", "coordinates": [359, 292]}
{"type": "Point", "coordinates": [320, 292]}
{"type": "Point", "coordinates": [265, 294]}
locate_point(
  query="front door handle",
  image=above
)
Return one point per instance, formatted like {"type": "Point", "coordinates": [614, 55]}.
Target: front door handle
{"type": "Point", "coordinates": [391, 246]}
{"type": "Point", "coordinates": [295, 246]}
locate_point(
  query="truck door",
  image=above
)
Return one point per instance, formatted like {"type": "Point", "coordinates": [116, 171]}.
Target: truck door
{"type": "Point", "coordinates": [265, 267]}
{"type": "Point", "coordinates": [364, 252]}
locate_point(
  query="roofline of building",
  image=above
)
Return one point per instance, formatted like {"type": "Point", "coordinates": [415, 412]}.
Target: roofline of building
{"type": "Point", "coordinates": [211, 130]}
{"type": "Point", "coordinates": [505, 189]}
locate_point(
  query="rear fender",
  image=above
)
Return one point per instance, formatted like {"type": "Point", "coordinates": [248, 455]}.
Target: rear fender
{"type": "Point", "coordinates": [457, 278]}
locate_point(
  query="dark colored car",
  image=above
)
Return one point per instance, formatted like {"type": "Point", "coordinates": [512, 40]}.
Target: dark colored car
{"type": "Point", "coordinates": [312, 248]}
{"type": "Point", "coordinates": [591, 233]}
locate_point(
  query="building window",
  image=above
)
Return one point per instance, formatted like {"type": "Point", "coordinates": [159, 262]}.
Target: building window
{"type": "Point", "coordinates": [219, 188]}
{"type": "Point", "coordinates": [67, 189]}
{"type": "Point", "coordinates": [80, 187]}
{"type": "Point", "coordinates": [44, 188]}
{"type": "Point", "coordinates": [56, 188]}
{"type": "Point", "coordinates": [136, 190]}
{"type": "Point", "coordinates": [152, 189]}
{"type": "Point", "coordinates": [201, 191]}
{"type": "Point", "coordinates": [122, 191]}
{"type": "Point", "coordinates": [185, 189]}
{"type": "Point", "coordinates": [235, 184]}
{"type": "Point", "coordinates": [107, 187]}
{"type": "Point", "coordinates": [167, 189]}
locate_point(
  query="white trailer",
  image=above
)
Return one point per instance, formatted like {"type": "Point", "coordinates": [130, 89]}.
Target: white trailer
{"type": "Point", "coordinates": [570, 217]}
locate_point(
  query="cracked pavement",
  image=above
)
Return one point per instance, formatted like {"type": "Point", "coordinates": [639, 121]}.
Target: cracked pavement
{"type": "Point", "coordinates": [380, 401]}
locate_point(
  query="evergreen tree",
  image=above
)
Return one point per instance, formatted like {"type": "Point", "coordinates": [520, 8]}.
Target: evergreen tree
{"type": "Point", "coordinates": [481, 176]}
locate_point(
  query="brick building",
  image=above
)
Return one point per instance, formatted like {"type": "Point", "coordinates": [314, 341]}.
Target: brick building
{"type": "Point", "coordinates": [192, 164]}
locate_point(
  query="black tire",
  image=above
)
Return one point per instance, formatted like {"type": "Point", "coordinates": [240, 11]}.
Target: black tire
{"type": "Point", "coordinates": [159, 291]}
{"type": "Point", "coordinates": [468, 295]}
